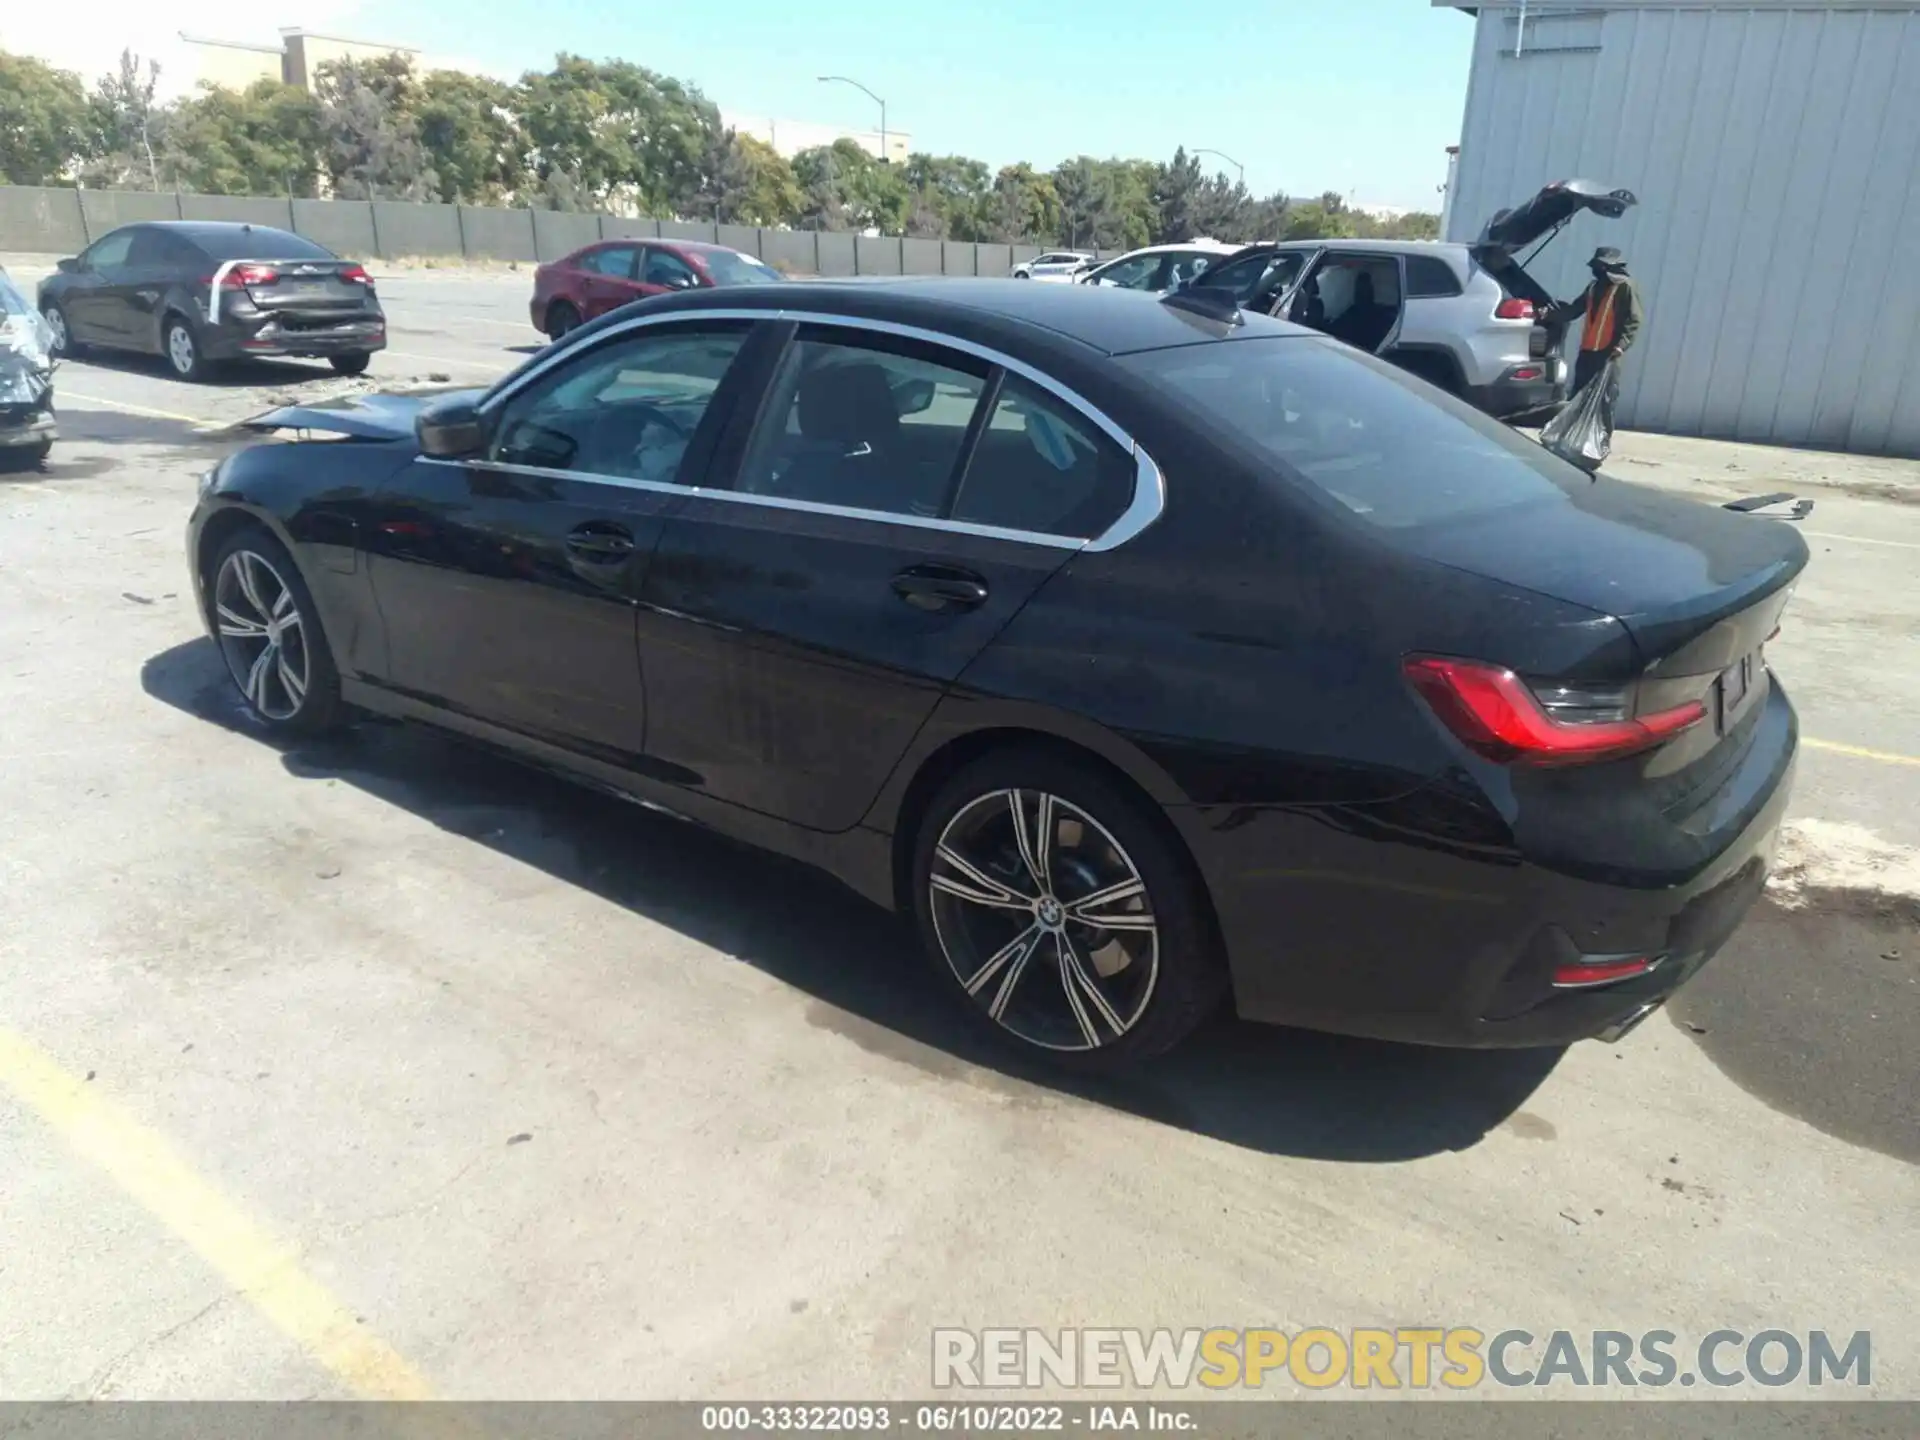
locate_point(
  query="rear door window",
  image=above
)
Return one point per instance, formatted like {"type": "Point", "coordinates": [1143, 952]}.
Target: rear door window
{"type": "Point", "coordinates": [1329, 417]}
{"type": "Point", "coordinates": [868, 424]}
{"type": "Point", "coordinates": [1042, 467]}
{"type": "Point", "coordinates": [615, 261]}
{"type": "Point", "coordinates": [1430, 277]}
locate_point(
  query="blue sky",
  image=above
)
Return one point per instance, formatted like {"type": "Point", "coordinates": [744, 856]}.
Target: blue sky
{"type": "Point", "coordinates": [1311, 95]}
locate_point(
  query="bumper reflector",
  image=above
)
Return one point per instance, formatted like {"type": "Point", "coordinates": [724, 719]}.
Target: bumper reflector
{"type": "Point", "coordinates": [1601, 970]}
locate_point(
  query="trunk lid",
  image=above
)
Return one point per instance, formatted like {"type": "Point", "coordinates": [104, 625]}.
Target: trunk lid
{"type": "Point", "coordinates": [306, 285]}
{"type": "Point", "coordinates": [1696, 586]}
{"type": "Point", "coordinates": [1552, 207]}
{"type": "Point", "coordinates": [359, 417]}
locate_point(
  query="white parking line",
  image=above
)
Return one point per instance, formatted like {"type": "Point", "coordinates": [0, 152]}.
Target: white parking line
{"type": "Point", "coordinates": [1862, 540]}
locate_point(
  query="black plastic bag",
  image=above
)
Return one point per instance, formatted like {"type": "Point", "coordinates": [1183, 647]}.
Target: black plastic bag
{"type": "Point", "coordinates": [1582, 434]}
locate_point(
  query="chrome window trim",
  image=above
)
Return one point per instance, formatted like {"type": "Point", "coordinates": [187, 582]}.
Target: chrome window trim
{"type": "Point", "coordinates": [1149, 482]}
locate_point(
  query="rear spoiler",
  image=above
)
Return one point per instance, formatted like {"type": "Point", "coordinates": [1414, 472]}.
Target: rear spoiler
{"type": "Point", "coordinates": [1762, 504]}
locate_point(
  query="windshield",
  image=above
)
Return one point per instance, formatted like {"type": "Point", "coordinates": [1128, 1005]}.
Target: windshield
{"type": "Point", "coordinates": [1358, 431]}
{"type": "Point", "coordinates": [730, 267]}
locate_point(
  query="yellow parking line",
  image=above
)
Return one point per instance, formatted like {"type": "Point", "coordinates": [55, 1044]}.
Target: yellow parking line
{"type": "Point", "coordinates": [1860, 752]}
{"type": "Point", "coordinates": [258, 1268]}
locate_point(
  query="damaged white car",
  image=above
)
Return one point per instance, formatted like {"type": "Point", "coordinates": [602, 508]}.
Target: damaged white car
{"type": "Point", "coordinates": [27, 427]}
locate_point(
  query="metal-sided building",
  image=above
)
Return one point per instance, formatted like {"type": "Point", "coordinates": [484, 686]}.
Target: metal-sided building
{"type": "Point", "coordinates": [1775, 149]}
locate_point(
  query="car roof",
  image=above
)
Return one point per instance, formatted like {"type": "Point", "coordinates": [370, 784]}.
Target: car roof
{"type": "Point", "coordinates": [1008, 313]}
{"type": "Point", "coordinates": [1215, 246]}
{"type": "Point", "coordinates": [199, 230]}
{"type": "Point", "coordinates": [1378, 247]}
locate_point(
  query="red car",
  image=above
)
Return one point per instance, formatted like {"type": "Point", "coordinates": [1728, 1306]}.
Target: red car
{"type": "Point", "coordinates": [597, 278]}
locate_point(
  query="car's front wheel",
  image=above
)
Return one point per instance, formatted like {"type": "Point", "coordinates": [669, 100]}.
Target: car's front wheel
{"type": "Point", "coordinates": [270, 636]}
{"type": "Point", "coordinates": [1064, 915]}
{"type": "Point", "coordinates": [354, 363]}
{"type": "Point", "coordinates": [63, 342]}
{"type": "Point", "coordinates": [562, 319]}
{"type": "Point", "coordinates": [183, 350]}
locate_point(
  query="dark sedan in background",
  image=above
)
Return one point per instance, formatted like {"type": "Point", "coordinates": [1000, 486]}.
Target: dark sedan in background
{"type": "Point", "coordinates": [597, 278]}
{"type": "Point", "coordinates": [199, 293]}
{"type": "Point", "coordinates": [1142, 651]}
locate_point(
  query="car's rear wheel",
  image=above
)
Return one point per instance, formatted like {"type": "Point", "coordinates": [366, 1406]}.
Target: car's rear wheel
{"type": "Point", "coordinates": [561, 318]}
{"type": "Point", "coordinates": [269, 634]}
{"type": "Point", "coordinates": [354, 363]}
{"type": "Point", "coordinates": [1067, 919]}
{"type": "Point", "coordinates": [183, 350]}
{"type": "Point", "coordinates": [63, 342]}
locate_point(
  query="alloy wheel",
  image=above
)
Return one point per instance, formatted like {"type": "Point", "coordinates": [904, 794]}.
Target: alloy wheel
{"type": "Point", "coordinates": [180, 352]}
{"type": "Point", "coordinates": [56, 319]}
{"type": "Point", "coordinates": [1044, 919]}
{"type": "Point", "coordinates": [262, 635]}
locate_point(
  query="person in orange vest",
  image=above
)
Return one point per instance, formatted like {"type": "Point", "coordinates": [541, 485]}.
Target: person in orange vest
{"type": "Point", "coordinates": [1613, 312]}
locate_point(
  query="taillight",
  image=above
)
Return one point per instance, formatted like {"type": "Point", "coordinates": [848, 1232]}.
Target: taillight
{"type": "Point", "coordinates": [357, 274]}
{"type": "Point", "coordinates": [1513, 309]}
{"type": "Point", "coordinates": [1492, 712]}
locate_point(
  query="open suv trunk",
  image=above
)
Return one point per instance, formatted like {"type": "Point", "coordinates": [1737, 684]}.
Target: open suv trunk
{"type": "Point", "coordinates": [1541, 219]}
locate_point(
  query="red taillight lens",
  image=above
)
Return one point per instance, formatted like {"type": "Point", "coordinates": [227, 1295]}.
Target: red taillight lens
{"type": "Point", "coordinates": [357, 274]}
{"type": "Point", "coordinates": [1526, 372]}
{"type": "Point", "coordinates": [1513, 310]}
{"type": "Point", "coordinates": [1600, 970]}
{"type": "Point", "coordinates": [1493, 713]}
{"type": "Point", "coordinates": [241, 276]}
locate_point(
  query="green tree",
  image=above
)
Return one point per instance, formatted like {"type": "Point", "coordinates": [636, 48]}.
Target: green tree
{"type": "Point", "coordinates": [1024, 206]}
{"type": "Point", "coordinates": [1106, 203]}
{"type": "Point", "coordinates": [1326, 218]}
{"type": "Point", "coordinates": [618, 135]}
{"type": "Point", "coordinates": [845, 188]}
{"type": "Point", "coordinates": [748, 182]}
{"type": "Point", "coordinates": [123, 127]}
{"type": "Point", "coordinates": [949, 196]}
{"type": "Point", "coordinates": [43, 118]}
{"type": "Point", "coordinates": [371, 134]}
{"type": "Point", "coordinates": [472, 137]}
{"type": "Point", "coordinates": [265, 140]}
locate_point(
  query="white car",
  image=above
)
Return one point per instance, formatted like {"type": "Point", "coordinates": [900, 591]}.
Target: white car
{"type": "Point", "coordinates": [1159, 268]}
{"type": "Point", "coordinates": [1057, 265]}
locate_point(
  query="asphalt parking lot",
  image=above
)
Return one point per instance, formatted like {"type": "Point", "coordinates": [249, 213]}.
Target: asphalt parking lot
{"type": "Point", "coordinates": [384, 1067]}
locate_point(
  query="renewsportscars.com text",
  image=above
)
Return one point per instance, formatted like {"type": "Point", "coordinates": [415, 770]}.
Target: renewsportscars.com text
{"type": "Point", "coordinates": [1455, 1358]}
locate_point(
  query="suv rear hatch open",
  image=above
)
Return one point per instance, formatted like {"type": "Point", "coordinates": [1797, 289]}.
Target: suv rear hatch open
{"type": "Point", "coordinates": [1541, 219]}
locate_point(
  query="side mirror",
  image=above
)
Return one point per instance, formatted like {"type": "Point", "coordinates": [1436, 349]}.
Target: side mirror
{"type": "Point", "coordinates": [69, 266]}
{"type": "Point", "coordinates": [913, 396]}
{"type": "Point", "coordinates": [450, 430]}
{"type": "Point", "coordinates": [682, 282]}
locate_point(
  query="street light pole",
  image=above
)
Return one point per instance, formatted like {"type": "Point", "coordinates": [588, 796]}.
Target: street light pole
{"type": "Point", "coordinates": [1231, 161]}
{"type": "Point", "coordinates": [885, 157]}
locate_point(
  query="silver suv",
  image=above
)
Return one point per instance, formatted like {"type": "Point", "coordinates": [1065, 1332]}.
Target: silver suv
{"type": "Point", "coordinates": [1464, 317]}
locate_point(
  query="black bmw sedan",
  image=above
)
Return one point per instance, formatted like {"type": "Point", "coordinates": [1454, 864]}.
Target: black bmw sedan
{"type": "Point", "coordinates": [1145, 653]}
{"type": "Point", "coordinates": [201, 292]}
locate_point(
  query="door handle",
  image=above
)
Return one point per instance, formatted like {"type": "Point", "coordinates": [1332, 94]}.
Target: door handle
{"type": "Point", "coordinates": [601, 544]}
{"type": "Point", "coordinates": [940, 587]}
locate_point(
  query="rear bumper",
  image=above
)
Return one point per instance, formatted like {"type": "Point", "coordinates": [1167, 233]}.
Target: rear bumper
{"type": "Point", "coordinates": [21, 427]}
{"type": "Point", "coordinates": [298, 335]}
{"type": "Point", "coordinates": [1506, 398]}
{"type": "Point", "coordinates": [1390, 923]}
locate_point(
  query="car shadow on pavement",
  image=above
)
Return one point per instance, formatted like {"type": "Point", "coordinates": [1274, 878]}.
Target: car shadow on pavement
{"type": "Point", "coordinates": [1273, 1090]}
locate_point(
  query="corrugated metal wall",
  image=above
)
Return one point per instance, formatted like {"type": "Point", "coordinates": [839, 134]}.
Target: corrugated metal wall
{"type": "Point", "coordinates": [1776, 154]}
